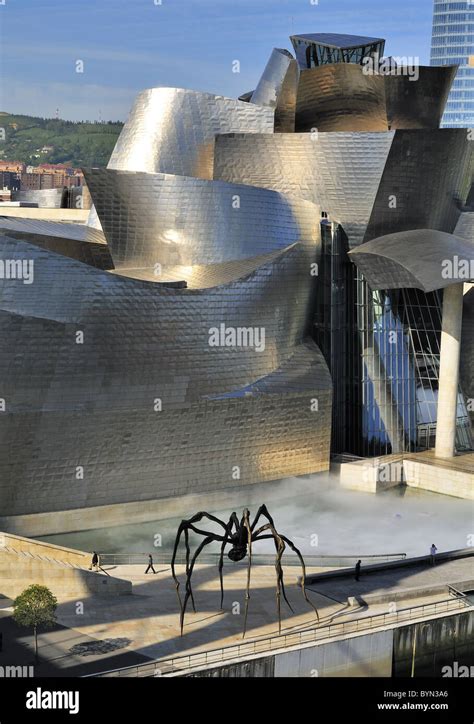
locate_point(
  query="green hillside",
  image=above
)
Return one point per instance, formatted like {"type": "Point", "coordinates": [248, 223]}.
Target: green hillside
{"type": "Point", "coordinates": [77, 144]}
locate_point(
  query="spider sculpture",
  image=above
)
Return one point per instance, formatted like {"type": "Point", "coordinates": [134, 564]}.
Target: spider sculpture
{"type": "Point", "coordinates": [240, 535]}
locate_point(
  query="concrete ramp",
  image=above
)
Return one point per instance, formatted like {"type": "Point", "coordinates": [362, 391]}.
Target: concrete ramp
{"type": "Point", "coordinates": [64, 571]}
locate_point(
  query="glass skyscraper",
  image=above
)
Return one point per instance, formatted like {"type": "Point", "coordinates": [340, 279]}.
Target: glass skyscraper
{"type": "Point", "coordinates": [453, 42]}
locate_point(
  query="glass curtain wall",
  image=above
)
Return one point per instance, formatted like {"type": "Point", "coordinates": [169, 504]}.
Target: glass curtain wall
{"type": "Point", "coordinates": [383, 350]}
{"type": "Point", "coordinates": [453, 43]}
{"type": "Point", "coordinates": [313, 55]}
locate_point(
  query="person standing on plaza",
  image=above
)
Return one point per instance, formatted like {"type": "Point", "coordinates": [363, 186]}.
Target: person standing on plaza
{"type": "Point", "coordinates": [357, 570]}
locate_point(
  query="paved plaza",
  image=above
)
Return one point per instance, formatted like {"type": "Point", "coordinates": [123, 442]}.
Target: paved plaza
{"type": "Point", "coordinates": [103, 634]}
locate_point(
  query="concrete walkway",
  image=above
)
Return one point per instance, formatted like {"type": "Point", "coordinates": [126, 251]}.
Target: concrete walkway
{"type": "Point", "coordinates": [463, 462]}
{"type": "Point", "coordinates": [146, 624]}
{"type": "Point", "coordinates": [150, 620]}
{"type": "Point", "coordinates": [419, 580]}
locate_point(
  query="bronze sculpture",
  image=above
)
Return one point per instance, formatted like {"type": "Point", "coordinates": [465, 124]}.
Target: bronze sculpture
{"type": "Point", "coordinates": [240, 535]}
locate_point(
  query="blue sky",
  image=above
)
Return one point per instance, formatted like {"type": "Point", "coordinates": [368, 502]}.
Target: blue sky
{"type": "Point", "coordinates": [128, 45]}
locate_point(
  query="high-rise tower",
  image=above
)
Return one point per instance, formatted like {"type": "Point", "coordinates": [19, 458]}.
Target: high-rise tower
{"type": "Point", "coordinates": [453, 42]}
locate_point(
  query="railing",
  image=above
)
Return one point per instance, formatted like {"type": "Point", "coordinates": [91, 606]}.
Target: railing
{"type": "Point", "coordinates": [455, 593]}
{"type": "Point", "coordinates": [266, 645]}
{"type": "Point", "coordinates": [38, 557]}
{"type": "Point", "coordinates": [164, 558]}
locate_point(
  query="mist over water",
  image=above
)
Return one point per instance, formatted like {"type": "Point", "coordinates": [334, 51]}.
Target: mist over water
{"type": "Point", "coordinates": [400, 520]}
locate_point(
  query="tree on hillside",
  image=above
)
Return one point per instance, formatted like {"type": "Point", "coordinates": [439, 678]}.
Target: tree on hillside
{"type": "Point", "coordinates": [35, 607]}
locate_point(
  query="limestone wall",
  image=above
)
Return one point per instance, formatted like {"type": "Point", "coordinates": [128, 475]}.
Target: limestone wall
{"type": "Point", "coordinates": [58, 553]}
{"type": "Point", "coordinates": [64, 571]}
{"type": "Point", "coordinates": [18, 571]}
{"type": "Point", "coordinates": [458, 483]}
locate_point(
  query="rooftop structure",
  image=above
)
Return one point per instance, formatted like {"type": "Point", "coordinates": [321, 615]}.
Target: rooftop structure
{"type": "Point", "coordinates": [315, 49]}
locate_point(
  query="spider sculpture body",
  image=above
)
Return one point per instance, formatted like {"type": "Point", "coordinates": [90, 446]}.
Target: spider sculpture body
{"type": "Point", "coordinates": [240, 535]}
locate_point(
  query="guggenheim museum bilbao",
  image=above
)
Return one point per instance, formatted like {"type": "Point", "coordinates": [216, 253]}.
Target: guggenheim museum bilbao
{"type": "Point", "coordinates": [259, 287]}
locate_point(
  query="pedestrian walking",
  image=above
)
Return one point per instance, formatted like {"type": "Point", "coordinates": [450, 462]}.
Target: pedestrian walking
{"type": "Point", "coordinates": [357, 570]}
{"type": "Point", "coordinates": [150, 564]}
{"type": "Point", "coordinates": [95, 561]}
{"type": "Point", "coordinates": [433, 552]}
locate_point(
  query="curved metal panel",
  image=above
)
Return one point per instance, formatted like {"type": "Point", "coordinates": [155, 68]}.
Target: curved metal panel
{"type": "Point", "coordinates": [412, 259]}
{"type": "Point", "coordinates": [340, 97]}
{"type": "Point", "coordinates": [73, 240]}
{"type": "Point", "coordinates": [277, 89]}
{"type": "Point", "coordinates": [95, 402]}
{"type": "Point", "coordinates": [425, 182]}
{"type": "Point", "coordinates": [40, 227]}
{"type": "Point", "coordinates": [153, 219]}
{"type": "Point", "coordinates": [202, 276]}
{"type": "Point", "coordinates": [172, 130]}
{"type": "Point", "coordinates": [344, 97]}
{"type": "Point", "coordinates": [465, 226]}
{"type": "Point", "coordinates": [275, 296]}
{"type": "Point", "coordinates": [372, 184]}
{"type": "Point", "coordinates": [340, 172]}
{"type": "Point", "coordinates": [418, 103]}
{"type": "Point", "coordinates": [44, 198]}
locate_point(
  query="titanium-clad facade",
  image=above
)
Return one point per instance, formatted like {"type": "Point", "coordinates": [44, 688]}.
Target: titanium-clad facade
{"type": "Point", "coordinates": [425, 182]}
{"type": "Point", "coordinates": [340, 172]}
{"type": "Point", "coordinates": [172, 130]}
{"type": "Point", "coordinates": [277, 89]}
{"type": "Point", "coordinates": [346, 97]}
{"type": "Point", "coordinates": [209, 328]}
{"type": "Point", "coordinates": [158, 218]}
{"type": "Point", "coordinates": [42, 198]}
{"type": "Point", "coordinates": [412, 259]}
{"type": "Point", "coordinates": [371, 183]}
{"type": "Point", "coordinates": [144, 404]}
{"type": "Point", "coordinates": [147, 405]}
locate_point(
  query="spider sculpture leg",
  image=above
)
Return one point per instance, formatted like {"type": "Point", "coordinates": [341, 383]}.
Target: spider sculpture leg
{"type": "Point", "coordinates": [246, 523]}
{"type": "Point", "coordinates": [303, 568]}
{"type": "Point", "coordinates": [233, 520]}
{"type": "Point", "coordinates": [184, 527]}
{"type": "Point", "coordinates": [205, 542]}
{"type": "Point", "coordinates": [263, 510]}
{"type": "Point", "coordinates": [188, 551]}
{"type": "Point", "coordinates": [279, 544]}
{"type": "Point", "coordinates": [280, 549]}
